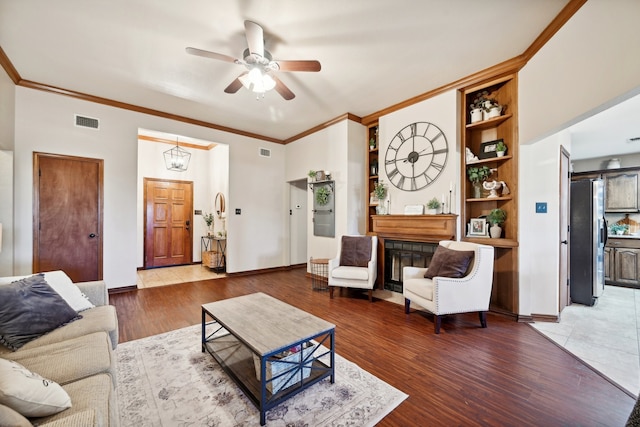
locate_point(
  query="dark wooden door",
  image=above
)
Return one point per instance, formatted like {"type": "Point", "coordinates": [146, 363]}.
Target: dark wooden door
{"type": "Point", "coordinates": [563, 251]}
{"type": "Point", "coordinates": [168, 239]}
{"type": "Point", "coordinates": [67, 226]}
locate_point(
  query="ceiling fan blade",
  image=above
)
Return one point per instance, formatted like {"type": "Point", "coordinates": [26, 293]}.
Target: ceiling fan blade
{"type": "Point", "coordinates": [235, 85]}
{"type": "Point", "coordinates": [212, 55]}
{"type": "Point", "coordinates": [298, 65]}
{"type": "Point", "coordinates": [282, 89]}
{"type": "Point", "coordinates": [255, 38]}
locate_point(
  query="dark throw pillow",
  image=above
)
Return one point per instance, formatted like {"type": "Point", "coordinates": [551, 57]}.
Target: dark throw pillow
{"type": "Point", "coordinates": [356, 251]}
{"type": "Point", "coordinates": [449, 263]}
{"type": "Point", "coordinates": [29, 308]}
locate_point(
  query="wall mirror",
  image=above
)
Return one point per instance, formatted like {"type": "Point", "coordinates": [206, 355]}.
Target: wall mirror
{"type": "Point", "coordinates": [219, 204]}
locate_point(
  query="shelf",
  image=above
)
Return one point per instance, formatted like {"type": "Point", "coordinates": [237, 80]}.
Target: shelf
{"type": "Point", "coordinates": [326, 181]}
{"type": "Point", "coordinates": [490, 199]}
{"type": "Point", "coordinates": [375, 150]}
{"type": "Point", "coordinates": [490, 160]}
{"type": "Point", "coordinates": [497, 243]}
{"type": "Point", "coordinates": [373, 177]}
{"type": "Point", "coordinates": [486, 124]}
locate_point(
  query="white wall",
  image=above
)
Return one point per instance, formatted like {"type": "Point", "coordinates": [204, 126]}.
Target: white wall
{"type": "Point", "coordinates": [44, 123]}
{"type": "Point", "coordinates": [539, 181]}
{"type": "Point", "coordinates": [588, 63]}
{"type": "Point", "coordinates": [340, 149]}
{"type": "Point", "coordinates": [7, 129]}
{"type": "Point", "coordinates": [440, 110]}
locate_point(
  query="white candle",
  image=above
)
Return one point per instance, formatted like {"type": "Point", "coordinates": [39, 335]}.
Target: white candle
{"type": "Point", "coordinates": [443, 199]}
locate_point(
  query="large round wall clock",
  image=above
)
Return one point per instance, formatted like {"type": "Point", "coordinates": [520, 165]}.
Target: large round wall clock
{"type": "Point", "coordinates": [416, 156]}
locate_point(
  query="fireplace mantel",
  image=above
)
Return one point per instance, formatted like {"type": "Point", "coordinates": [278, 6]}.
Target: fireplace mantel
{"type": "Point", "coordinates": [410, 228]}
{"type": "Point", "coordinates": [415, 228]}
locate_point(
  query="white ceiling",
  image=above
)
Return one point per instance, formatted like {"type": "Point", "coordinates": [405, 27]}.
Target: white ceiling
{"type": "Point", "coordinates": [374, 53]}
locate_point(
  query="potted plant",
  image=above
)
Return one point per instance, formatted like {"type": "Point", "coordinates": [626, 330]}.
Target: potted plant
{"type": "Point", "coordinates": [380, 193]}
{"type": "Point", "coordinates": [208, 219]}
{"type": "Point", "coordinates": [477, 106]}
{"type": "Point", "coordinates": [372, 144]}
{"type": "Point", "coordinates": [312, 175]}
{"type": "Point", "coordinates": [501, 148]}
{"type": "Point", "coordinates": [619, 229]}
{"type": "Point", "coordinates": [477, 174]}
{"type": "Point", "coordinates": [322, 195]}
{"type": "Point", "coordinates": [491, 109]}
{"type": "Point", "coordinates": [433, 205]}
{"type": "Point", "coordinates": [496, 218]}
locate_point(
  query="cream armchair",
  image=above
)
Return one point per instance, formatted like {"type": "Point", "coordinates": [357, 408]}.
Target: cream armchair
{"type": "Point", "coordinates": [446, 295]}
{"type": "Point", "coordinates": [356, 264]}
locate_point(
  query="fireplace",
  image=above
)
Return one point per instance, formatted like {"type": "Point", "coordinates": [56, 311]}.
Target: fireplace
{"type": "Point", "coordinates": [408, 240]}
{"type": "Point", "coordinates": [399, 254]}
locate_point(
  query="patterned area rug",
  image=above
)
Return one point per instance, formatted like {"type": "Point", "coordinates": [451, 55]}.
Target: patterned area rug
{"type": "Point", "coordinates": [165, 380]}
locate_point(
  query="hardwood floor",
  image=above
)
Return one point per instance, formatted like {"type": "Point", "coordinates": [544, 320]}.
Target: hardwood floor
{"type": "Point", "coordinates": [505, 375]}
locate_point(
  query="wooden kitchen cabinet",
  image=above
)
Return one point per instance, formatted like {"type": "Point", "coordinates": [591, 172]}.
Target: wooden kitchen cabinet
{"type": "Point", "coordinates": [621, 192]}
{"type": "Point", "coordinates": [609, 265]}
{"type": "Point", "coordinates": [622, 262]}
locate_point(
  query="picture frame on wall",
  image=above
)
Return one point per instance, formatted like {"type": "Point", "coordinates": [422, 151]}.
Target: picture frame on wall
{"type": "Point", "coordinates": [488, 149]}
{"type": "Point", "coordinates": [478, 227]}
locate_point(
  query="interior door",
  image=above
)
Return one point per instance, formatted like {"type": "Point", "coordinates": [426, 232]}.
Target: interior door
{"type": "Point", "coordinates": [564, 295]}
{"type": "Point", "coordinates": [168, 219]}
{"type": "Point", "coordinates": [67, 226]}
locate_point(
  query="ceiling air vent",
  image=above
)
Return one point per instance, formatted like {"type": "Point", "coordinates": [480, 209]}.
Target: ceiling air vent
{"type": "Point", "coordinates": [634, 139]}
{"type": "Point", "coordinates": [264, 152]}
{"type": "Point", "coordinates": [87, 122]}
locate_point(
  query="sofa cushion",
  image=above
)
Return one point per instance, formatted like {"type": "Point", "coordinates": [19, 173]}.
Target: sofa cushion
{"type": "Point", "coordinates": [70, 360]}
{"type": "Point", "coordinates": [93, 396]}
{"type": "Point", "coordinates": [101, 318]}
{"type": "Point", "coordinates": [9, 417]}
{"type": "Point", "coordinates": [28, 393]}
{"type": "Point", "coordinates": [449, 263]}
{"type": "Point", "coordinates": [355, 251]}
{"type": "Point", "coordinates": [62, 284]}
{"type": "Point", "coordinates": [420, 287]}
{"type": "Point", "coordinates": [30, 308]}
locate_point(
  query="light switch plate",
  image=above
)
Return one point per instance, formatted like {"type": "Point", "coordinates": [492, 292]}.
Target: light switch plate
{"type": "Point", "coordinates": [541, 207]}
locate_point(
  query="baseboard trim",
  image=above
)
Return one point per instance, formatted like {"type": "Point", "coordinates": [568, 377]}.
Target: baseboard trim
{"type": "Point", "coordinates": [545, 318]}
{"type": "Point", "coordinates": [266, 270]}
{"type": "Point", "coordinates": [122, 289]}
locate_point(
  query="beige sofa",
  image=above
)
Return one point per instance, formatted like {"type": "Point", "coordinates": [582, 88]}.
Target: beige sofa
{"type": "Point", "coordinates": [79, 356]}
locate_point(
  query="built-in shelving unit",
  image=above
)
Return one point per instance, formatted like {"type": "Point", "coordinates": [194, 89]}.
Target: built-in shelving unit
{"type": "Point", "coordinates": [503, 90]}
{"type": "Point", "coordinates": [372, 171]}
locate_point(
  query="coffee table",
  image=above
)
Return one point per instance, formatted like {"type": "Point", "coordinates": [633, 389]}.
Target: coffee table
{"type": "Point", "coordinates": [248, 336]}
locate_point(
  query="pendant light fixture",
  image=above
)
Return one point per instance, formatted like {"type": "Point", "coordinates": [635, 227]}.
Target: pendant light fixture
{"type": "Point", "coordinates": [177, 159]}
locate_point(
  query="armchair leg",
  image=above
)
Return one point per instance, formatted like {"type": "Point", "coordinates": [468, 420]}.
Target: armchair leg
{"type": "Point", "coordinates": [438, 321]}
{"type": "Point", "coordinates": [407, 303]}
{"type": "Point", "coordinates": [370, 295]}
{"type": "Point", "coordinates": [330, 292]}
{"type": "Point", "coordinates": [483, 318]}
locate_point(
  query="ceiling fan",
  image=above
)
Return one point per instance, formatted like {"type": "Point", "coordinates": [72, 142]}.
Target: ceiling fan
{"type": "Point", "coordinates": [261, 67]}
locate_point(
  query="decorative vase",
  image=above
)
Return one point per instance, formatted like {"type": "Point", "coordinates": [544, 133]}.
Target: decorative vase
{"type": "Point", "coordinates": [494, 111]}
{"type": "Point", "coordinates": [432, 211]}
{"type": "Point", "coordinates": [380, 209]}
{"type": "Point", "coordinates": [476, 115]}
{"type": "Point", "coordinates": [495, 231]}
{"type": "Point", "coordinates": [477, 190]}
{"type": "Point", "coordinates": [500, 153]}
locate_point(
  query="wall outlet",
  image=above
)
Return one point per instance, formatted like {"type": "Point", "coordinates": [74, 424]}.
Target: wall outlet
{"type": "Point", "coordinates": [238, 211]}
{"type": "Point", "coordinates": [541, 207]}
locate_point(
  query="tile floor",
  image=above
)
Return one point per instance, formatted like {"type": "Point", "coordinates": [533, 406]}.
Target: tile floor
{"type": "Point", "coordinates": [604, 336]}
{"type": "Point", "coordinates": [172, 275]}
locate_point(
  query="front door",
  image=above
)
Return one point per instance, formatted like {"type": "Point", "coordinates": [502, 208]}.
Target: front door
{"type": "Point", "coordinates": [168, 206]}
{"type": "Point", "coordinates": [67, 226]}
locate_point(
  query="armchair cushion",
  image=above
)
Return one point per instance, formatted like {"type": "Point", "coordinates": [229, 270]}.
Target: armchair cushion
{"type": "Point", "coordinates": [356, 251]}
{"type": "Point", "coordinates": [449, 263]}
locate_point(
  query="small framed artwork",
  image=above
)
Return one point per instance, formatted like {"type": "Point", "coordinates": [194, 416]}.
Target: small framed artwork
{"type": "Point", "coordinates": [488, 149]}
{"type": "Point", "coordinates": [478, 227]}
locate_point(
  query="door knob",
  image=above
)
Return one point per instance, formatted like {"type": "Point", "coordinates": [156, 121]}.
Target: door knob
{"type": "Point", "coordinates": [564, 242]}
{"type": "Point", "coordinates": [92, 235]}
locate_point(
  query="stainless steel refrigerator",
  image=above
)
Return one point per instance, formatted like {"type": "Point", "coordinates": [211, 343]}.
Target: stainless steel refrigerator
{"type": "Point", "coordinates": [587, 237]}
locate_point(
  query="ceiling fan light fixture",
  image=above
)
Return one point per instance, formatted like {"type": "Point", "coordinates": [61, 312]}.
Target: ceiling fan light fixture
{"type": "Point", "coordinates": [177, 159]}
{"type": "Point", "coordinates": [257, 81]}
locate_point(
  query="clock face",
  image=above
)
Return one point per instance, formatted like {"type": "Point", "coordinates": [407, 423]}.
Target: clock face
{"type": "Point", "coordinates": [416, 156]}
